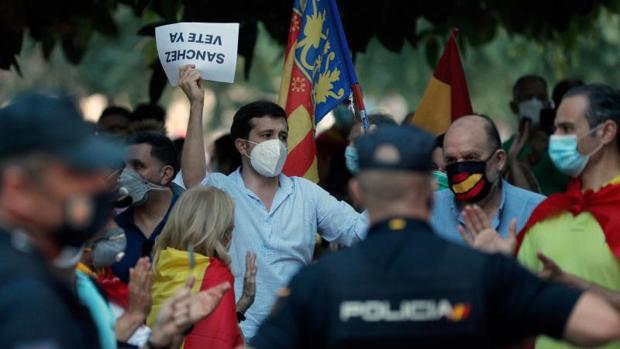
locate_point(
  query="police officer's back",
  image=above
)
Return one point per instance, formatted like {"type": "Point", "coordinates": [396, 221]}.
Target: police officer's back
{"type": "Point", "coordinates": [404, 286]}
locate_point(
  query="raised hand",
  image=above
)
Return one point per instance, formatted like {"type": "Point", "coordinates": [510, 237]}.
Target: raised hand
{"type": "Point", "coordinates": [479, 234]}
{"type": "Point", "coordinates": [249, 283]}
{"type": "Point", "coordinates": [191, 83]}
{"type": "Point", "coordinates": [183, 310]}
{"type": "Point", "coordinates": [140, 277]}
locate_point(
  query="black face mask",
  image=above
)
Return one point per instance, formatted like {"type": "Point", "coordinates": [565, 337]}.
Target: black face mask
{"type": "Point", "coordinates": [468, 180]}
{"type": "Point", "coordinates": [84, 217]}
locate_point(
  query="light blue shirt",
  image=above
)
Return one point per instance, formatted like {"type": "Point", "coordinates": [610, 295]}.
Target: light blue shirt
{"type": "Point", "coordinates": [283, 237]}
{"type": "Point", "coordinates": [515, 203]}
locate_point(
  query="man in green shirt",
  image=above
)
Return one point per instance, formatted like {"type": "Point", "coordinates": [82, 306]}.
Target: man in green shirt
{"type": "Point", "coordinates": [529, 164]}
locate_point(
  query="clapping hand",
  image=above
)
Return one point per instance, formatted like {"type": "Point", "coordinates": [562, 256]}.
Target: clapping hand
{"type": "Point", "coordinates": [183, 310]}
{"type": "Point", "coordinates": [479, 234]}
{"type": "Point", "coordinates": [249, 283]}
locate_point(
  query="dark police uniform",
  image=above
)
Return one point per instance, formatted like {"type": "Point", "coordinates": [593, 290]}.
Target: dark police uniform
{"type": "Point", "coordinates": [405, 287]}
{"type": "Point", "coordinates": [36, 310]}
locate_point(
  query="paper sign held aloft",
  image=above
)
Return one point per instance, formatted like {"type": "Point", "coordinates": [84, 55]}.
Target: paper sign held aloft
{"type": "Point", "coordinates": [212, 47]}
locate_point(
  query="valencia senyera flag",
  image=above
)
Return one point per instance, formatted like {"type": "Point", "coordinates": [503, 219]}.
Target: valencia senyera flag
{"type": "Point", "coordinates": [316, 78]}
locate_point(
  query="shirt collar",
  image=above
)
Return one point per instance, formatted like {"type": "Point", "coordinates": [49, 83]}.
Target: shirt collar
{"type": "Point", "coordinates": [285, 188]}
{"type": "Point", "coordinates": [396, 224]}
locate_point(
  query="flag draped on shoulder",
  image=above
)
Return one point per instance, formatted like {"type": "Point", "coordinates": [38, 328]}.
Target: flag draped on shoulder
{"type": "Point", "coordinates": [446, 97]}
{"type": "Point", "coordinates": [317, 76]}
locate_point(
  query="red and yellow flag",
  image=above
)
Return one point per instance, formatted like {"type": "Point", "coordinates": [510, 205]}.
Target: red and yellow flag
{"type": "Point", "coordinates": [296, 99]}
{"type": "Point", "coordinates": [446, 97]}
{"type": "Point", "coordinates": [317, 76]}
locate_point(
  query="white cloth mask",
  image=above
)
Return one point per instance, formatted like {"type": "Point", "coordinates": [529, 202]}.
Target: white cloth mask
{"type": "Point", "coordinates": [531, 109]}
{"type": "Point", "coordinates": [268, 157]}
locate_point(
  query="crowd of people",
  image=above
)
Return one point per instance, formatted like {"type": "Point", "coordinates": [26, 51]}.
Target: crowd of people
{"type": "Point", "coordinates": [115, 236]}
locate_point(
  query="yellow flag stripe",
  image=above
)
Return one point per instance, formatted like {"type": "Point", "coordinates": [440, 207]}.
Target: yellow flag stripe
{"type": "Point", "coordinates": [299, 123]}
{"type": "Point", "coordinates": [434, 112]}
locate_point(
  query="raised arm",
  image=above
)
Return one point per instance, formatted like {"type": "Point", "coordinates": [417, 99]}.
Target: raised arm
{"type": "Point", "coordinates": [551, 271]}
{"type": "Point", "coordinates": [593, 322]}
{"type": "Point", "coordinates": [193, 162]}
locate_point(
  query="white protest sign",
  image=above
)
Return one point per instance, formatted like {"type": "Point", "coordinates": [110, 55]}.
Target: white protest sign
{"type": "Point", "coordinates": [212, 47]}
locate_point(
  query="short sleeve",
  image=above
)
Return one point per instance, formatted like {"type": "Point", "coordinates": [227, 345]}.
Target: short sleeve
{"type": "Point", "coordinates": [523, 304]}
{"type": "Point", "coordinates": [290, 323]}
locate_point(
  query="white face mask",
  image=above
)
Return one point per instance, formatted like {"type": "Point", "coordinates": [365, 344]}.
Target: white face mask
{"type": "Point", "coordinates": [531, 109]}
{"type": "Point", "coordinates": [268, 157]}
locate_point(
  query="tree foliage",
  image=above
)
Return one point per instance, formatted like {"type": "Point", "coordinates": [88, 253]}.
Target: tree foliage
{"type": "Point", "coordinates": [71, 24]}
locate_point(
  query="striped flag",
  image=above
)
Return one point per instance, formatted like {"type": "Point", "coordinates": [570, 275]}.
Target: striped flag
{"type": "Point", "coordinates": [446, 97]}
{"type": "Point", "coordinates": [317, 76]}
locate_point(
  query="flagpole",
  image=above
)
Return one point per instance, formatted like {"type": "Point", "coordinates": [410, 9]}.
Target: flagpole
{"type": "Point", "coordinates": [358, 100]}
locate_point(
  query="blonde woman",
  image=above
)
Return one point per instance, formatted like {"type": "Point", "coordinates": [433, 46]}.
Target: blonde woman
{"type": "Point", "coordinates": [201, 220]}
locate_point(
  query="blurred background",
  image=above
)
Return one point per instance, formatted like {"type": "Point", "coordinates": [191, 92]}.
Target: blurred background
{"type": "Point", "coordinates": [115, 65]}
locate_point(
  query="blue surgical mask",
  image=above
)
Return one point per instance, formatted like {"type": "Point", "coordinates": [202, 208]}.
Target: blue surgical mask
{"type": "Point", "coordinates": [442, 180]}
{"type": "Point", "coordinates": [350, 155]}
{"type": "Point", "coordinates": [565, 155]}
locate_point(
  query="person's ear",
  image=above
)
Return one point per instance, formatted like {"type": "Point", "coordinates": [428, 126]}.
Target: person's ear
{"type": "Point", "coordinates": [610, 132]}
{"type": "Point", "coordinates": [355, 192]}
{"type": "Point", "coordinates": [501, 160]}
{"type": "Point", "coordinates": [242, 146]}
{"type": "Point", "coordinates": [167, 175]}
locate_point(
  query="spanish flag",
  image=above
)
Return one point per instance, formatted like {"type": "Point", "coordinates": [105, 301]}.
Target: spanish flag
{"type": "Point", "coordinates": [317, 76]}
{"type": "Point", "coordinates": [171, 270]}
{"type": "Point", "coordinates": [446, 97]}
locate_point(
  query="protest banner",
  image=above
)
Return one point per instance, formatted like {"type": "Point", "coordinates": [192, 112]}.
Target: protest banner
{"type": "Point", "coordinates": [211, 47]}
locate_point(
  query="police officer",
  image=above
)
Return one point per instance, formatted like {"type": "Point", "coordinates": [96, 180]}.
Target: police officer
{"type": "Point", "coordinates": [405, 287]}
{"type": "Point", "coordinates": [53, 198]}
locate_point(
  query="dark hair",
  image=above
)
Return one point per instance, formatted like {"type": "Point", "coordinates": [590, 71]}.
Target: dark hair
{"type": "Point", "coordinates": [603, 104]}
{"type": "Point", "coordinates": [227, 155]}
{"type": "Point", "coordinates": [494, 141]}
{"type": "Point", "coordinates": [147, 111]}
{"type": "Point", "coordinates": [242, 121]}
{"type": "Point", "coordinates": [439, 141]}
{"type": "Point", "coordinates": [522, 80]}
{"type": "Point", "coordinates": [116, 110]}
{"type": "Point", "coordinates": [560, 89]}
{"type": "Point", "coordinates": [162, 148]}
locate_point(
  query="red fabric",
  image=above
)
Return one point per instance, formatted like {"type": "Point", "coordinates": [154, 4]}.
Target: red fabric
{"type": "Point", "coordinates": [219, 330]}
{"type": "Point", "coordinates": [450, 71]}
{"type": "Point", "coordinates": [116, 290]}
{"type": "Point", "coordinates": [602, 204]}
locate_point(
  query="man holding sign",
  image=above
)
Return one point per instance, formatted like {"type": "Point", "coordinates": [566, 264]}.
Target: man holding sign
{"type": "Point", "coordinates": [212, 47]}
{"type": "Point", "coordinates": [275, 215]}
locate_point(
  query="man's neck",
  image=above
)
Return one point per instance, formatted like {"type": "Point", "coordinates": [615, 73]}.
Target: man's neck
{"type": "Point", "coordinates": [264, 187]}
{"type": "Point", "coordinates": [598, 174]}
{"type": "Point", "coordinates": [377, 215]}
{"type": "Point", "coordinates": [148, 216]}
{"type": "Point", "coordinates": [489, 204]}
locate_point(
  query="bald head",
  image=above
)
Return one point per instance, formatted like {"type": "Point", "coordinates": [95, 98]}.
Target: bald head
{"type": "Point", "coordinates": [473, 132]}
